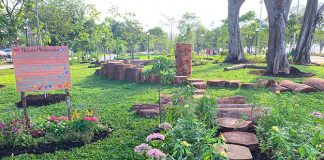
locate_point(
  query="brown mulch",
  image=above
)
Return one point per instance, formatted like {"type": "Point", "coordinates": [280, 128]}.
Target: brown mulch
{"type": "Point", "coordinates": [40, 100]}
{"type": "Point", "coordinates": [294, 73]}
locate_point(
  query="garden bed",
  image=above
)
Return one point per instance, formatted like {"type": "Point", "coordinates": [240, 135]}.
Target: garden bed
{"type": "Point", "coordinates": [52, 147]}
{"type": "Point", "coordinates": [40, 100]}
{"type": "Point", "coordinates": [294, 73]}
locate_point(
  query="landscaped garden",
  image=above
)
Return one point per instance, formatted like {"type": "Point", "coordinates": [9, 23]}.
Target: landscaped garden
{"type": "Point", "coordinates": [290, 130]}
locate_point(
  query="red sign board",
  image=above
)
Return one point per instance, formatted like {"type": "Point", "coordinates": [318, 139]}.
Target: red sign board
{"type": "Point", "coordinates": [41, 68]}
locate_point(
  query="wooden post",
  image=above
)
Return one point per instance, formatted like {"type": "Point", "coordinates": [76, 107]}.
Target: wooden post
{"type": "Point", "coordinates": [68, 103]}
{"type": "Point", "coordinates": [24, 104]}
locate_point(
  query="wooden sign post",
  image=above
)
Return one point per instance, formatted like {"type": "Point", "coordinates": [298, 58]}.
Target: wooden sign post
{"type": "Point", "coordinates": [41, 69]}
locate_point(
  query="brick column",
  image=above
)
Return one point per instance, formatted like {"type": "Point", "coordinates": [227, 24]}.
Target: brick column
{"type": "Point", "coordinates": [183, 59]}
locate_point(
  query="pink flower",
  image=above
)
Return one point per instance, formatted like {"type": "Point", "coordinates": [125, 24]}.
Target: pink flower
{"type": "Point", "coordinates": [155, 136]}
{"type": "Point", "coordinates": [93, 119]}
{"type": "Point", "coordinates": [51, 118]}
{"type": "Point", "coordinates": [56, 121]}
{"type": "Point", "coordinates": [155, 153]}
{"type": "Point", "coordinates": [140, 149]}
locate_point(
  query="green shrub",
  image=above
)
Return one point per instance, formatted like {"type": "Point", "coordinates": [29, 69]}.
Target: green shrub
{"type": "Point", "coordinates": [256, 58]}
{"type": "Point", "coordinates": [206, 111]}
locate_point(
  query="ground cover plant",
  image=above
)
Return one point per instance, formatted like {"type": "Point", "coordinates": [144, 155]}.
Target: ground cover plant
{"type": "Point", "coordinates": [113, 100]}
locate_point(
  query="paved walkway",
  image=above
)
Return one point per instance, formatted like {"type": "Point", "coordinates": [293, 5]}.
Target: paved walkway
{"type": "Point", "coordinates": [6, 66]}
{"type": "Point", "coordinates": [317, 59]}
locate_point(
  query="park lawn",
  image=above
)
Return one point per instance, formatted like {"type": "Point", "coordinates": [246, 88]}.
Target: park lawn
{"type": "Point", "coordinates": [113, 100]}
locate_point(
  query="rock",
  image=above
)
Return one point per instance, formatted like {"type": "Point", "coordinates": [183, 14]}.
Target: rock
{"type": "Point", "coordinates": [199, 85]}
{"type": "Point", "coordinates": [148, 112]}
{"type": "Point", "coordinates": [276, 87]}
{"type": "Point", "coordinates": [246, 139]}
{"type": "Point", "coordinates": [165, 99]}
{"type": "Point", "coordinates": [231, 100]}
{"type": "Point", "coordinates": [297, 87]}
{"type": "Point", "coordinates": [230, 124]}
{"type": "Point", "coordinates": [199, 91]}
{"type": "Point", "coordinates": [318, 115]}
{"type": "Point", "coordinates": [238, 113]}
{"type": "Point", "coordinates": [232, 84]}
{"type": "Point", "coordinates": [317, 83]}
{"type": "Point", "coordinates": [265, 83]}
{"type": "Point", "coordinates": [195, 80]}
{"type": "Point", "coordinates": [216, 83]}
{"type": "Point", "coordinates": [183, 58]}
{"type": "Point", "coordinates": [249, 85]}
{"type": "Point", "coordinates": [179, 79]}
{"type": "Point", "coordinates": [236, 152]}
{"type": "Point", "coordinates": [235, 105]}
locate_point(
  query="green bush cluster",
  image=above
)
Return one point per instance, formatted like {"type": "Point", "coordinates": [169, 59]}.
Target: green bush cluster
{"type": "Point", "coordinates": [290, 132]}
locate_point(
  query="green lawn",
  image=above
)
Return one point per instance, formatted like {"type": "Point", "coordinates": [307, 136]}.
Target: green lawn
{"type": "Point", "coordinates": [113, 100]}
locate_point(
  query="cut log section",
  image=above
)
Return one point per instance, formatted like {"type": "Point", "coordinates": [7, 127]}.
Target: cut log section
{"type": "Point", "coordinates": [246, 139]}
{"type": "Point", "coordinates": [317, 83]}
{"type": "Point", "coordinates": [216, 83]}
{"type": "Point", "coordinates": [232, 84]}
{"type": "Point", "coordinates": [199, 85]}
{"type": "Point", "coordinates": [231, 100]}
{"type": "Point", "coordinates": [195, 80]}
{"type": "Point", "coordinates": [235, 106]}
{"type": "Point", "coordinates": [231, 124]}
{"type": "Point", "coordinates": [179, 79]}
{"type": "Point", "coordinates": [239, 113]}
{"type": "Point", "coordinates": [297, 87]}
{"type": "Point", "coordinates": [249, 85]}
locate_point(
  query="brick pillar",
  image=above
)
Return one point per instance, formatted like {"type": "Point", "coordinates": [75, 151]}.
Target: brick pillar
{"type": "Point", "coordinates": [183, 59]}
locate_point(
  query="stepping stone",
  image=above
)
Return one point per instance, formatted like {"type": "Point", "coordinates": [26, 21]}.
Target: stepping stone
{"type": "Point", "coordinates": [216, 83]}
{"type": "Point", "coordinates": [238, 113]}
{"type": "Point", "coordinates": [179, 79]}
{"type": "Point", "coordinates": [198, 96]}
{"type": "Point", "coordinates": [200, 91]}
{"type": "Point", "coordinates": [237, 152]}
{"type": "Point", "coordinates": [195, 80]}
{"type": "Point", "coordinates": [199, 85]}
{"type": "Point", "coordinates": [232, 84]}
{"type": "Point", "coordinates": [246, 139]}
{"type": "Point", "coordinates": [231, 100]}
{"type": "Point", "coordinates": [165, 99]}
{"type": "Point", "coordinates": [265, 83]}
{"type": "Point", "coordinates": [249, 85]}
{"type": "Point", "coordinates": [317, 83]}
{"type": "Point", "coordinates": [235, 106]}
{"type": "Point", "coordinates": [230, 124]}
{"type": "Point", "coordinates": [297, 87]}
{"type": "Point", "coordinates": [148, 112]}
{"type": "Point", "coordinates": [276, 87]}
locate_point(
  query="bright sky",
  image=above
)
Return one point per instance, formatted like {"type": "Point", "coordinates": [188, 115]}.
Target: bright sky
{"type": "Point", "coordinates": [148, 12]}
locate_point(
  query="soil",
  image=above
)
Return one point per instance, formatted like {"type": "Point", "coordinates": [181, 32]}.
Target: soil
{"type": "Point", "coordinates": [40, 100]}
{"type": "Point", "coordinates": [2, 86]}
{"type": "Point", "coordinates": [294, 73]}
{"type": "Point", "coordinates": [51, 147]}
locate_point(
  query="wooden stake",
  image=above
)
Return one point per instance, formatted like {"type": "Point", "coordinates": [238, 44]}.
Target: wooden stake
{"type": "Point", "coordinates": [68, 103]}
{"type": "Point", "coordinates": [24, 104]}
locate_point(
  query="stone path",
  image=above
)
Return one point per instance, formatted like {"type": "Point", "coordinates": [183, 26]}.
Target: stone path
{"type": "Point", "coordinates": [317, 59]}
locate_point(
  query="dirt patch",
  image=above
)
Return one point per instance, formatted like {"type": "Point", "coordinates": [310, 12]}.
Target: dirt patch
{"type": "Point", "coordinates": [2, 86]}
{"type": "Point", "coordinates": [294, 73]}
{"type": "Point", "coordinates": [51, 147]}
{"type": "Point", "coordinates": [40, 100]}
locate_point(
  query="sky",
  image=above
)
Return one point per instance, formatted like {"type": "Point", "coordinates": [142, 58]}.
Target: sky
{"type": "Point", "coordinates": [149, 12]}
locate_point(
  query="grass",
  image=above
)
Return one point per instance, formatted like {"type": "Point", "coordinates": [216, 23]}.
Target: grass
{"type": "Point", "coordinates": [113, 100]}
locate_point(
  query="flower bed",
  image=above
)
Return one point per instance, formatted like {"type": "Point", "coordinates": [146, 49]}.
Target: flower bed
{"type": "Point", "coordinates": [51, 134]}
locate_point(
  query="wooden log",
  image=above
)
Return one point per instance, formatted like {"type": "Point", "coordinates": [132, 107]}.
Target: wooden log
{"type": "Point", "coordinates": [297, 87]}
{"type": "Point", "coordinates": [231, 100]}
{"type": "Point", "coordinates": [240, 66]}
{"type": "Point", "coordinates": [317, 83]}
{"type": "Point", "coordinates": [179, 79]}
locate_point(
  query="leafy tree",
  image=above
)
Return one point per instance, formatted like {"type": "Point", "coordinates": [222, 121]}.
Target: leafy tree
{"type": "Point", "coordinates": [187, 26]}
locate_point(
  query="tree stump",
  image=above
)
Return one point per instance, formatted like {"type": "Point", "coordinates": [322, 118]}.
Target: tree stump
{"type": "Point", "coordinates": [120, 72]}
{"type": "Point", "coordinates": [109, 69]}
{"type": "Point", "coordinates": [133, 74]}
{"type": "Point", "coordinates": [183, 59]}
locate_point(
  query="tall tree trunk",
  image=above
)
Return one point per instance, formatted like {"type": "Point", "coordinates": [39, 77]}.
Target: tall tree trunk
{"type": "Point", "coordinates": [305, 41]}
{"type": "Point", "coordinates": [235, 54]}
{"type": "Point", "coordinates": [277, 60]}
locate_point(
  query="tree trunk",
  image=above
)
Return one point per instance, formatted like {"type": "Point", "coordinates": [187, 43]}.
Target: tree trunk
{"type": "Point", "coordinates": [277, 60]}
{"type": "Point", "coordinates": [235, 51]}
{"type": "Point", "coordinates": [305, 41]}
